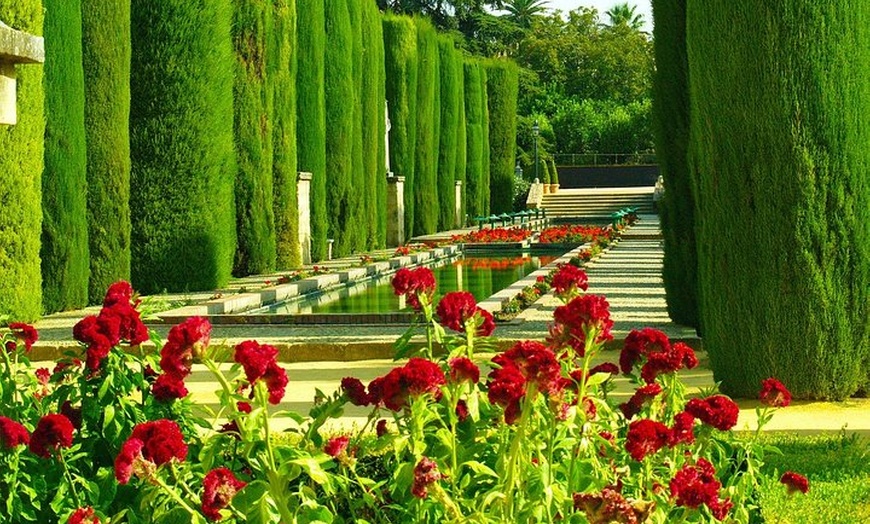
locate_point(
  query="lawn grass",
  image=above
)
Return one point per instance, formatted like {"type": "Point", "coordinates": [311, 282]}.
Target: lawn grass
{"type": "Point", "coordinates": [838, 468]}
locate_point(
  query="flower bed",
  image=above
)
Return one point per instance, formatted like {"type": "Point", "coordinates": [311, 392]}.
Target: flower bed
{"type": "Point", "coordinates": [537, 440]}
{"type": "Point", "coordinates": [494, 235]}
{"type": "Point", "coordinates": [576, 234]}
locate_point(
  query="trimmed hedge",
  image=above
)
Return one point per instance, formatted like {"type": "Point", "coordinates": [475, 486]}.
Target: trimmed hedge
{"type": "Point", "coordinates": [311, 114]}
{"type": "Point", "coordinates": [374, 127]}
{"type": "Point", "coordinates": [400, 50]}
{"type": "Point", "coordinates": [253, 101]}
{"type": "Point", "coordinates": [474, 138]}
{"type": "Point", "coordinates": [671, 124]}
{"type": "Point", "coordinates": [340, 96]}
{"type": "Point", "coordinates": [780, 150]}
{"type": "Point", "coordinates": [502, 90]}
{"type": "Point", "coordinates": [449, 134]}
{"type": "Point", "coordinates": [485, 177]}
{"type": "Point", "coordinates": [554, 172]}
{"type": "Point", "coordinates": [426, 209]}
{"type": "Point", "coordinates": [181, 145]}
{"type": "Point", "coordinates": [64, 250]}
{"type": "Point", "coordinates": [281, 58]}
{"type": "Point", "coordinates": [21, 166]}
{"type": "Point", "coordinates": [461, 137]}
{"type": "Point", "coordinates": [359, 197]}
{"type": "Point", "coordinates": [106, 66]}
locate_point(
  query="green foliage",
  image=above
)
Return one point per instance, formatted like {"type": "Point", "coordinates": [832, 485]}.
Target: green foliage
{"type": "Point", "coordinates": [64, 251]}
{"type": "Point", "coordinates": [526, 143]}
{"type": "Point", "coordinates": [780, 162]}
{"type": "Point", "coordinates": [358, 197]}
{"type": "Point", "coordinates": [374, 127]}
{"type": "Point", "coordinates": [448, 150]}
{"type": "Point", "coordinates": [340, 103]}
{"type": "Point", "coordinates": [400, 49]}
{"type": "Point", "coordinates": [486, 175]}
{"type": "Point", "coordinates": [253, 105]}
{"type": "Point", "coordinates": [425, 190]}
{"type": "Point", "coordinates": [502, 103]}
{"type": "Point", "coordinates": [671, 124]}
{"type": "Point", "coordinates": [554, 172]}
{"type": "Point", "coordinates": [311, 114]}
{"type": "Point", "coordinates": [281, 55]}
{"type": "Point", "coordinates": [474, 138]}
{"type": "Point", "coordinates": [21, 166]}
{"type": "Point", "coordinates": [603, 127]}
{"type": "Point", "coordinates": [181, 144]}
{"type": "Point", "coordinates": [461, 137]}
{"type": "Point", "coordinates": [106, 65]}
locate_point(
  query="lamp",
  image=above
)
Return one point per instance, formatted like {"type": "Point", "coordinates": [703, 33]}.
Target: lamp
{"type": "Point", "coordinates": [536, 130]}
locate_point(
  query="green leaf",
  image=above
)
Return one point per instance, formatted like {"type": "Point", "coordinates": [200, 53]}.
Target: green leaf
{"type": "Point", "coordinates": [313, 469]}
{"type": "Point", "coordinates": [480, 468]}
{"type": "Point", "coordinates": [108, 416]}
{"type": "Point", "coordinates": [175, 516]}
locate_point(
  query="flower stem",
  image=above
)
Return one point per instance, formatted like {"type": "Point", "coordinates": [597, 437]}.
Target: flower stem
{"type": "Point", "coordinates": [516, 446]}
{"type": "Point", "coordinates": [173, 495]}
{"type": "Point", "coordinates": [69, 478]}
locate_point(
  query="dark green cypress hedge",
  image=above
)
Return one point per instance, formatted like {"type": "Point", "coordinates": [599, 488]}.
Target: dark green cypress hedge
{"type": "Point", "coordinates": [106, 65]}
{"type": "Point", "coordinates": [426, 210]}
{"type": "Point", "coordinates": [339, 126]}
{"type": "Point", "coordinates": [311, 114]}
{"type": "Point", "coordinates": [64, 251]}
{"type": "Point", "coordinates": [253, 100]}
{"type": "Point", "coordinates": [485, 177]}
{"type": "Point", "coordinates": [671, 118]}
{"type": "Point", "coordinates": [502, 90]}
{"type": "Point", "coordinates": [21, 166]}
{"type": "Point", "coordinates": [554, 172]}
{"type": "Point", "coordinates": [359, 198]}
{"type": "Point", "coordinates": [282, 70]}
{"type": "Point", "coordinates": [461, 137]}
{"type": "Point", "coordinates": [400, 50]}
{"type": "Point", "coordinates": [474, 139]}
{"type": "Point", "coordinates": [374, 163]}
{"type": "Point", "coordinates": [780, 149]}
{"type": "Point", "coordinates": [181, 144]}
{"type": "Point", "coordinates": [449, 134]}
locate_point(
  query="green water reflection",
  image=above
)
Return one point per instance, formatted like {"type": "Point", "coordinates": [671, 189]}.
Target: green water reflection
{"type": "Point", "coordinates": [482, 276]}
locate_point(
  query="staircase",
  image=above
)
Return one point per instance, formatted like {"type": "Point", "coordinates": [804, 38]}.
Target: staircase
{"type": "Point", "coordinates": [598, 202]}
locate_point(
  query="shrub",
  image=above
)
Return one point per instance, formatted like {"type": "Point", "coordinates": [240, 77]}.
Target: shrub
{"type": "Point", "coordinates": [449, 134]}
{"type": "Point", "coordinates": [486, 172]}
{"type": "Point", "coordinates": [21, 166]}
{"type": "Point", "coordinates": [64, 251]}
{"type": "Point", "coordinates": [358, 197]}
{"type": "Point", "coordinates": [374, 127]}
{"type": "Point", "coordinates": [502, 103]}
{"type": "Point", "coordinates": [461, 139]}
{"type": "Point", "coordinates": [181, 144]}
{"type": "Point", "coordinates": [474, 118]}
{"type": "Point", "coordinates": [106, 65]}
{"type": "Point", "coordinates": [426, 207]}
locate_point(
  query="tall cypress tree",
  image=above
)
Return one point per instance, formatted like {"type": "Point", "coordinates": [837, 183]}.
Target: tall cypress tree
{"type": "Point", "coordinates": [448, 148]}
{"type": "Point", "coordinates": [474, 139]}
{"type": "Point", "coordinates": [502, 90]}
{"type": "Point", "coordinates": [373, 122]}
{"type": "Point", "coordinates": [461, 137]}
{"type": "Point", "coordinates": [339, 125]}
{"type": "Point", "coordinates": [253, 100]}
{"type": "Point", "coordinates": [671, 118]}
{"type": "Point", "coordinates": [181, 145]}
{"type": "Point", "coordinates": [106, 66]}
{"type": "Point", "coordinates": [425, 189]}
{"type": "Point", "coordinates": [779, 149]}
{"type": "Point", "coordinates": [400, 50]}
{"type": "Point", "coordinates": [21, 166]}
{"type": "Point", "coordinates": [311, 114]}
{"type": "Point", "coordinates": [64, 252]}
{"type": "Point", "coordinates": [282, 69]}
{"type": "Point", "coordinates": [358, 196]}
{"type": "Point", "coordinates": [485, 176]}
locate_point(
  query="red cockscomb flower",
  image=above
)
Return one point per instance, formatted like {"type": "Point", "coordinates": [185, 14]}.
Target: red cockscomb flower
{"type": "Point", "coordinates": [568, 279]}
{"type": "Point", "coordinates": [486, 323]}
{"type": "Point", "coordinates": [535, 361]}
{"type": "Point", "coordinates": [120, 292]}
{"type": "Point", "coordinates": [12, 433]}
{"type": "Point", "coordinates": [425, 474]}
{"type": "Point", "coordinates": [355, 391]}
{"type": "Point", "coordinates": [416, 378]}
{"type": "Point", "coordinates": [52, 432]}
{"type": "Point", "coordinates": [462, 410]}
{"type": "Point", "coordinates": [639, 343]}
{"type": "Point", "coordinates": [718, 411]}
{"type": "Point", "coordinates": [219, 487]}
{"type": "Point", "coordinates": [463, 369]}
{"type": "Point", "coordinates": [695, 485]}
{"type": "Point", "coordinates": [73, 413]}
{"type": "Point", "coordinates": [259, 362]}
{"type": "Point", "coordinates": [84, 515]}
{"type": "Point", "coordinates": [583, 315]}
{"type": "Point", "coordinates": [381, 428]}
{"type": "Point", "coordinates": [186, 343]}
{"type": "Point", "coordinates": [506, 388]}
{"type": "Point", "coordinates": [413, 283]}
{"type": "Point", "coordinates": [606, 367]}
{"type": "Point", "coordinates": [795, 482]}
{"type": "Point", "coordinates": [151, 445]}
{"type": "Point", "coordinates": [637, 401]}
{"type": "Point", "coordinates": [455, 309]}
{"type": "Point", "coordinates": [645, 437]}
{"type": "Point", "coordinates": [607, 507]}
{"type": "Point", "coordinates": [683, 430]}
{"type": "Point", "coordinates": [168, 387]}
{"type": "Point", "coordinates": [24, 333]}
{"type": "Point", "coordinates": [774, 393]}
{"type": "Point", "coordinates": [335, 446]}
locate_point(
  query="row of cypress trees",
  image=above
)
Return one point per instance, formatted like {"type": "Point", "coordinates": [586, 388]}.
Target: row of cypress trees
{"type": "Point", "coordinates": [174, 132]}
{"type": "Point", "coordinates": [762, 121]}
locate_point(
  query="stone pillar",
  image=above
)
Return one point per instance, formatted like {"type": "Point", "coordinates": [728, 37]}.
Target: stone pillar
{"type": "Point", "coordinates": [303, 196]}
{"type": "Point", "coordinates": [16, 47]}
{"type": "Point", "coordinates": [458, 220]}
{"type": "Point", "coordinates": [395, 210]}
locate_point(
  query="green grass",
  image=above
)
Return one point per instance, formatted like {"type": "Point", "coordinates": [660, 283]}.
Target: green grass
{"type": "Point", "coordinates": [838, 468]}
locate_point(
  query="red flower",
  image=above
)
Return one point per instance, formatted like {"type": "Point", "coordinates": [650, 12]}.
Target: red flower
{"type": "Point", "coordinates": [641, 396]}
{"type": "Point", "coordinates": [607, 507]}
{"type": "Point", "coordinates": [74, 414]}
{"type": "Point", "coordinates": [639, 344]}
{"type": "Point", "coordinates": [645, 437]}
{"type": "Point", "coordinates": [795, 482]}
{"type": "Point", "coordinates": [425, 474]}
{"type": "Point", "coordinates": [126, 318]}
{"type": "Point", "coordinates": [535, 361]}
{"type": "Point", "coordinates": [218, 489]}
{"type": "Point", "coordinates": [355, 392]}
{"type": "Point", "coordinates": [53, 431]}
{"type": "Point", "coordinates": [455, 309]}
{"type": "Point", "coordinates": [12, 433]}
{"type": "Point", "coordinates": [683, 429]}
{"type": "Point", "coordinates": [83, 516]}
{"type": "Point", "coordinates": [152, 444]}
{"type": "Point", "coordinates": [461, 410]}
{"type": "Point", "coordinates": [414, 282]}
{"type": "Point", "coordinates": [695, 485]}
{"type": "Point", "coordinates": [120, 292]}
{"type": "Point", "coordinates": [774, 393]}
{"type": "Point", "coordinates": [487, 323]}
{"type": "Point", "coordinates": [583, 315]}
{"type": "Point", "coordinates": [381, 428]}
{"type": "Point", "coordinates": [568, 279]}
{"type": "Point", "coordinates": [416, 378]}
{"type": "Point", "coordinates": [336, 446]}
{"type": "Point", "coordinates": [130, 462]}
{"type": "Point", "coordinates": [168, 388]}
{"type": "Point", "coordinates": [718, 411]}
{"type": "Point", "coordinates": [25, 333]}
{"type": "Point", "coordinates": [606, 367]}
{"type": "Point", "coordinates": [186, 342]}
{"type": "Point", "coordinates": [259, 362]}
{"type": "Point", "coordinates": [462, 369]}
{"type": "Point", "coordinates": [506, 388]}
{"type": "Point", "coordinates": [276, 381]}
{"type": "Point", "coordinates": [99, 336]}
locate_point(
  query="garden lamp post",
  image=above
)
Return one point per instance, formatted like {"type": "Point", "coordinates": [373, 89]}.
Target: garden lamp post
{"type": "Point", "coordinates": [518, 171]}
{"type": "Point", "coordinates": [536, 130]}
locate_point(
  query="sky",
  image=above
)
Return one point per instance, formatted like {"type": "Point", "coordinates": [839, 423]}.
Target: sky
{"type": "Point", "coordinates": [643, 7]}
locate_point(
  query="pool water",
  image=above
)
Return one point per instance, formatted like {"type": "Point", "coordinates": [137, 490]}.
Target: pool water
{"type": "Point", "coordinates": [482, 276]}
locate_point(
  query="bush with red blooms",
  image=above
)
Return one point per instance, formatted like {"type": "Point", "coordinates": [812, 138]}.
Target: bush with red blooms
{"type": "Point", "coordinates": [219, 487]}
{"type": "Point", "coordinates": [577, 234]}
{"type": "Point", "coordinates": [493, 235]}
